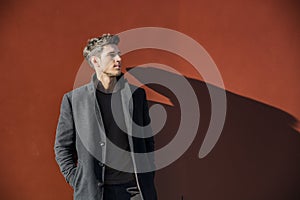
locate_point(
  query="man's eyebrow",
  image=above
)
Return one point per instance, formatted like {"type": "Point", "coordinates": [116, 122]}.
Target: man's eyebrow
{"type": "Point", "coordinates": [113, 52]}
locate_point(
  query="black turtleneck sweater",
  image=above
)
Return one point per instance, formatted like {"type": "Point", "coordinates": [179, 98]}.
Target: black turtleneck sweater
{"type": "Point", "coordinates": [115, 134]}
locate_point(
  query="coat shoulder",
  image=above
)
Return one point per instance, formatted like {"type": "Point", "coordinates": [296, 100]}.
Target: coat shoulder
{"type": "Point", "coordinates": [80, 90]}
{"type": "Point", "coordinates": [137, 91]}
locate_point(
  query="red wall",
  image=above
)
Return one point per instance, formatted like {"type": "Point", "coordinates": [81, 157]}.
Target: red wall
{"type": "Point", "coordinates": [255, 45]}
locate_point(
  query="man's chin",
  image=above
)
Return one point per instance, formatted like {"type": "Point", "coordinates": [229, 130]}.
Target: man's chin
{"type": "Point", "coordinates": [113, 74]}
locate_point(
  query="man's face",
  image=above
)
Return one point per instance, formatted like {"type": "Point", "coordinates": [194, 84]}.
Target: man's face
{"type": "Point", "coordinates": [110, 60]}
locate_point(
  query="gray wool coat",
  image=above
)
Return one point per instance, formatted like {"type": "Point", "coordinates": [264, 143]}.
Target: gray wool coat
{"type": "Point", "coordinates": [80, 143]}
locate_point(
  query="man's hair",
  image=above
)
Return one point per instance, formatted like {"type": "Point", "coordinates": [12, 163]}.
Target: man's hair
{"type": "Point", "coordinates": [95, 45]}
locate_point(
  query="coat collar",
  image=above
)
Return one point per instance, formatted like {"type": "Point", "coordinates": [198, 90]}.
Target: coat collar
{"type": "Point", "coordinates": [126, 95]}
{"type": "Point", "coordinates": [95, 83]}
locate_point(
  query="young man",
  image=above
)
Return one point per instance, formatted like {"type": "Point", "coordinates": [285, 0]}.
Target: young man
{"type": "Point", "coordinates": [96, 122]}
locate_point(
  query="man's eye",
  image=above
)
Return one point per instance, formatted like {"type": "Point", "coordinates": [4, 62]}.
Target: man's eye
{"type": "Point", "coordinates": [114, 54]}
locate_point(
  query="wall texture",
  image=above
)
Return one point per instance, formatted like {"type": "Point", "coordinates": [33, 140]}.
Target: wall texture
{"type": "Point", "coordinates": [255, 45]}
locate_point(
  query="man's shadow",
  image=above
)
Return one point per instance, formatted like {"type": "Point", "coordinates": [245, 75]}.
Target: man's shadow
{"type": "Point", "coordinates": [257, 156]}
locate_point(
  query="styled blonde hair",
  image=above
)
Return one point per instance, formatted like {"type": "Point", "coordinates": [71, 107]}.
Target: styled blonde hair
{"type": "Point", "coordinates": [95, 45]}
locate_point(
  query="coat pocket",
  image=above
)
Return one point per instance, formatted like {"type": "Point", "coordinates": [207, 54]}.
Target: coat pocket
{"type": "Point", "coordinates": [77, 175]}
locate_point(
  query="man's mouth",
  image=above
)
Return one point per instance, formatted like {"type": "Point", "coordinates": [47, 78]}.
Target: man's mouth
{"type": "Point", "coordinates": [117, 66]}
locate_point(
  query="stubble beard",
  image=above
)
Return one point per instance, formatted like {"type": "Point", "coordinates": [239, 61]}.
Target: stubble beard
{"type": "Point", "coordinates": [112, 74]}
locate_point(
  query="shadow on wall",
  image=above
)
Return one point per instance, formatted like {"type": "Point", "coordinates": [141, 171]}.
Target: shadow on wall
{"type": "Point", "coordinates": [257, 155]}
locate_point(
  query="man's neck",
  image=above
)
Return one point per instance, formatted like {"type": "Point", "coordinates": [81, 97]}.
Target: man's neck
{"type": "Point", "coordinates": [108, 82]}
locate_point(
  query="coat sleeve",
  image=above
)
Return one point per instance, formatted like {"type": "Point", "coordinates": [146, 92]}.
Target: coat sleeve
{"type": "Point", "coordinates": [64, 147]}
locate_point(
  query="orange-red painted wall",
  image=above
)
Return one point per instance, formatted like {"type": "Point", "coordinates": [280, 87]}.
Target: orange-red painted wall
{"type": "Point", "coordinates": [255, 45]}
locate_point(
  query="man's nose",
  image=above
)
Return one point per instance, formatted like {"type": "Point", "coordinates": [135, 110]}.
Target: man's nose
{"type": "Point", "coordinates": [118, 58]}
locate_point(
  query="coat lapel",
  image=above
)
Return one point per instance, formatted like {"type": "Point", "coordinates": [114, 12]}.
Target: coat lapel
{"type": "Point", "coordinates": [88, 119]}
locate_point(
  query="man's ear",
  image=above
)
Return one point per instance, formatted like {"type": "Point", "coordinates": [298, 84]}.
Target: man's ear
{"type": "Point", "coordinates": [95, 61]}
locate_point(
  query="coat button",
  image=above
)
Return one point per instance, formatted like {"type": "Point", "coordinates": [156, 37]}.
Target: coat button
{"type": "Point", "coordinates": [101, 164]}
{"type": "Point", "coordinates": [102, 143]}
